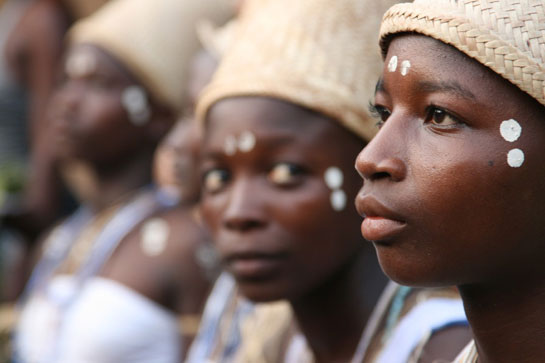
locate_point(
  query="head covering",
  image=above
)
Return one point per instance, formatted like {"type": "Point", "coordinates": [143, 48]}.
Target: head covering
{"type": "Point", "coordinates": [216, 40]}
{"type": "Point", "coordinates": [82, 8]}
{"type": "Point", "coordinates": [320, 54]}
{"type": "Point", "coordinates": [154, 39]}
{"type": "Point", "coordinates": [507, 36]}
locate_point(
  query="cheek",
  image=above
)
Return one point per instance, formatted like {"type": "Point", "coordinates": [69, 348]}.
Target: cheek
{"type": "Point", "coordinates": [103, 112]}
{"type": "Point", "coordinates": [212, 208]}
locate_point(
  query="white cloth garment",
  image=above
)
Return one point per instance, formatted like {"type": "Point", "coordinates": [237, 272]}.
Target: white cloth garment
{"type": "Point", "coordinates": [106, 323]}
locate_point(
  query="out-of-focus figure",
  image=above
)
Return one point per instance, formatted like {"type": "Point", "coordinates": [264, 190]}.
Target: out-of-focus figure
{"type": "Point", "coordinates": [114, 277]}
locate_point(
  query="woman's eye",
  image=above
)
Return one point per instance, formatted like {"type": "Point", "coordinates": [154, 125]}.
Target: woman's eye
{"type": "Point", "coordinates": [440, 117]}
{"type": "Point", "coordinates": [285, 174]}
{"type": "Point", "coordinates": [214, 180]}
{"type": "Point", "coordinates": [379, 112]}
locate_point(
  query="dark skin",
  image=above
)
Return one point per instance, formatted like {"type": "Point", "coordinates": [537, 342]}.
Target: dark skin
{"type": "Point", "coordinates": [87, 112]}
{"type": "Point", "coordinates": [93, 127]}
{"type": "Point", "coordinates": [280, 236]}
{"type": "Point", "coordinates": [443, 203]}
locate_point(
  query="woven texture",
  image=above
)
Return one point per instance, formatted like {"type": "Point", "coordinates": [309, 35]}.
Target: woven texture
{"type": "Point", "coordinates": [508, 36]}
{"type": "Point", "coordinates": [155, 39]}
{"type": "Point", "coordinates": [320, 54]}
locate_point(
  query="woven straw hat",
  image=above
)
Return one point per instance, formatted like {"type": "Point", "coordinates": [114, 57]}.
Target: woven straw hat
{"type": "Point", "coordinates": [508, 36]}
{"type": "Point", "coordinates": [320, 54]}
{"type": "Point", "coordinates": [154, 39]}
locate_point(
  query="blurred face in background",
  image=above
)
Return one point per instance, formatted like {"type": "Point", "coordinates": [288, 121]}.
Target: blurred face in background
{"type": "Point", "coordinates": [88, 118]}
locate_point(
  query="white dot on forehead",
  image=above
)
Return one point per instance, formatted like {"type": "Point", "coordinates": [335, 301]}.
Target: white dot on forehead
{"type": "Point", "coordinates": [230, 145]}
{"type": "Point", "coordinates": [246, 141]}
{"type": "Point", "coordinates": [80, 63]}
{"type": "Point", "coordinates": [155, 234]}
{"type": "Point", "coordinates": [333, 177]}
{"type": "Point", "coordinates": [338, 200]}
{"type": "Point", "coordinates": [515, 158]}
{"type": "Point", "coordinates": [510, 130]}
{"type": "Point", "coordinates": [392, 64]}
{"type": "Point", "coordinates": [405, 65]}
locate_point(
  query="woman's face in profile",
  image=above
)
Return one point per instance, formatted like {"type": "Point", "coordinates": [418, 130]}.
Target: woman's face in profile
{"type": "Point", "coordinates": [278, 185]}
{"type": "Point", "coordinates": [88, 119]}
{"type": "Point", "coordinates": [454, 182]}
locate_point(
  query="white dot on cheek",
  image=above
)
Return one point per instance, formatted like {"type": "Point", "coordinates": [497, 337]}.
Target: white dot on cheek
{"type": "Point", "coordinates": [515, 158]}
{"type": "Point", "coordinates": [392, 64]}
{"type": "Point", "coordinates": [338, 200]}
{"type": "Point", "coordinates": [333, 177]}
{"type": "Point", "coordinates": [510, 130]}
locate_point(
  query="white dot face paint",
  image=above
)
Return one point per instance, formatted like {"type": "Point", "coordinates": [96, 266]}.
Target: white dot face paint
{"type": "Point", "coordinates": [338, 200]}
{"type": "Point", "coordinates": [246, 141]}
{"type": "Point", "coordinates": [230, 145]}
{"type": "Point", "coordinates": [333, 177]}
{"type": "Point", "coordinates": [154, 237]}
{"type": "Point", "coordinates": [135, 102]}
{"type": "Point", "coordinates": [392, 64]}
{"type": "Point", "coordinates": [80, 64]}
{"type": "Point", "coordinates": [515, 158]}
{"type": "Point", "coordinates": [405, 66]}
{"type": "Point", "coordinates": [510, 130]}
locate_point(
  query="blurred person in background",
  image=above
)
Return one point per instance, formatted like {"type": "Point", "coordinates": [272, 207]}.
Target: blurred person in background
{"type": "Point", "coordinates": [113, 277]}
{"type": "Point", "coordinates": [34, 45]}
{"type": "Point", "coordinates": [32, 194]}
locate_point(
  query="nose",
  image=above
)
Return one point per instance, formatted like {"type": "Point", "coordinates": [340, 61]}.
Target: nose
{"type": "Point", "coordinates": [383, 157]}
{"type": "Point", "coordinates": [245, 210]}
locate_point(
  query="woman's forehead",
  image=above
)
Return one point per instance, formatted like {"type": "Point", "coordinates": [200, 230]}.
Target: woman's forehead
{"type": "Point", "coordinates": [103, 62]}
{"type": "Point", "coordinates": [266, 117]}
{"type": "Point", "coordinates": [439, 67]}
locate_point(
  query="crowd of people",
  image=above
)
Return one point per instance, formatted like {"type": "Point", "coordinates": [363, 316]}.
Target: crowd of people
{"type": "Point", "coordinates": [177, 181]}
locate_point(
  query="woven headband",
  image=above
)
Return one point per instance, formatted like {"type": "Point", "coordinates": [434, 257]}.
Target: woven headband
{"type": "Point", "coordinates": [507, 36]}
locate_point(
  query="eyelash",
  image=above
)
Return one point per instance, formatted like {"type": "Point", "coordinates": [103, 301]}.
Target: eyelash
{"type": "Point", "coordinates": [431, 112]}
{"type": "Point", "coordinates": [381, 114]}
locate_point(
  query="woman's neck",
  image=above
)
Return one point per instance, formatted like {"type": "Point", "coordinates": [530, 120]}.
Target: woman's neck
{"type": "Point", "coordinates": [114, 183]}
{"type": "Point", "coordinates": [508, 320]}
{"type": "Point", "coordinates": [333, 316]}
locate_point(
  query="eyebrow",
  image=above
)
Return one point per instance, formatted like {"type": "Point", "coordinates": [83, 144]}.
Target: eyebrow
{"type": "Point", "coordinates": [452, 87]}
{"type": "Point", "coordinates": [428, 86]}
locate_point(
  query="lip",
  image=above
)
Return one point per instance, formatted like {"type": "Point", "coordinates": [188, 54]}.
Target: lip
{"type": "Point", "coordinates": [254, 265]}
{"type": "Point", "coordinates": [380, 223]}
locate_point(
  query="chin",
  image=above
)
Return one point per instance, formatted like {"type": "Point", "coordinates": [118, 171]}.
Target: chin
{"type": "Point", "coordinates": [413, 271]}
{"type": "Point", "coordinates": [260, 291]}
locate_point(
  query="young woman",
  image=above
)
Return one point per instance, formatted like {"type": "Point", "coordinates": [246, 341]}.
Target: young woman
{"type": "Point", "coordinates": [113, 277]}
{"type": "Point", "coordinates": [453, 188]}
{"type": "Point", "coordinates": [283, 115]}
